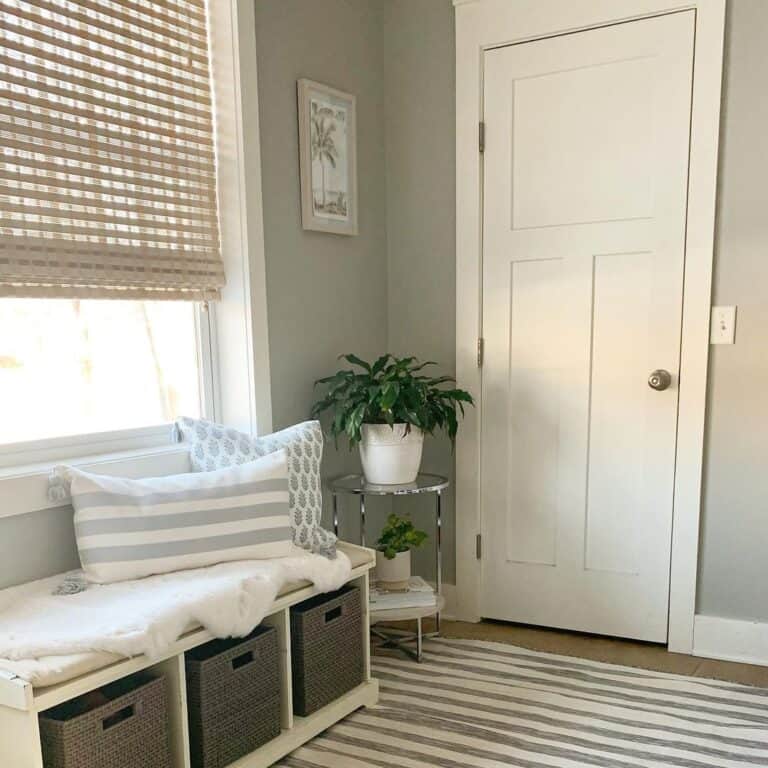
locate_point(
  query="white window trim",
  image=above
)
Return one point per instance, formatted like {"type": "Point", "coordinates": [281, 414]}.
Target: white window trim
{"type": "Point", "coordinates": [25, 489]}
{"type": "Point", "coordinates": [241, 375]}
{"type": "Point", "coordinates": [16, 457]}
{"type": "Point", "coordinates": [484, 24]}
{"type": "Point", "coordinates": [233, 339]}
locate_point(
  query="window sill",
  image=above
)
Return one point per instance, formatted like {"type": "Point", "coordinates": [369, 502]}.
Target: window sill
{"type": "Point", "coordinates": [84, 446]}
{"type": "Point", "coordinates": [24, 488]}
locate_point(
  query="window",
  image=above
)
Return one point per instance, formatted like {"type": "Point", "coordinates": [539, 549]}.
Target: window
{"type": "Point", "coordinates": [70, 366]}
{"type": "Point", "coordinates": [109, 233]}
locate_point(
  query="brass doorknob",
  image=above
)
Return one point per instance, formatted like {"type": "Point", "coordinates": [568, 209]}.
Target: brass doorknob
{"type": "Point", "coordinates": [659, 380]}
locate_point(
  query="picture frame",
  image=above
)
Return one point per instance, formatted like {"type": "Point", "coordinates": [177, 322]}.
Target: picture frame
{"type": "Point", "coordinates": [327, 158]}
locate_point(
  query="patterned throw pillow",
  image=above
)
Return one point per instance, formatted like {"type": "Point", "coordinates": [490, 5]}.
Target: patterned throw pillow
{"type": "Point", "coordinates": [214, 446]}
{"type": "Point", "coordinates": [128, 529]}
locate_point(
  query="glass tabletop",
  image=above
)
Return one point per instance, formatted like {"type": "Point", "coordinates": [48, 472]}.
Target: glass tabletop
{"type": "Point", "coordinates": [356, 484]}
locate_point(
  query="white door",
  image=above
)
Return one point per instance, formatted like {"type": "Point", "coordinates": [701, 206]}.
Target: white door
{"type": "Point", "coordinates": [585, 176]}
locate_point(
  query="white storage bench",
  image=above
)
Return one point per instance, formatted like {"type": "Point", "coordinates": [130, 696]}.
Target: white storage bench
{"type": "Point", "coordinates": [21, 703]}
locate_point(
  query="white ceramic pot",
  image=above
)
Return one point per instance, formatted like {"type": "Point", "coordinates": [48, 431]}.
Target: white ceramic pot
{"type": "Point", "coordinates": [389, 455]}
{"type": "Point", "coordinates": [393, 574]}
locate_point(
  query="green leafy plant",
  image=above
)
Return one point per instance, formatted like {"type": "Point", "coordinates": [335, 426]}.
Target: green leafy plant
{"type": "Point", "coordinates": [391, 390]}
{"type": "Point", "coordinates": [399, 535]}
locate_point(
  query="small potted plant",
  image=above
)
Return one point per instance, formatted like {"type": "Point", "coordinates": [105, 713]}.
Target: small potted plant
{"type": "Point", "coordinates": [393, 552]}
{"type": "Point", "coordinates": [387, 407]}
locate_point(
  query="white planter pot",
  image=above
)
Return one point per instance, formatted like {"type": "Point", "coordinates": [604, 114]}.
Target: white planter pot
{"type": "Point", "coordinates": [389, 455]}
{"type": "Point", "coordinates": [393, 574]}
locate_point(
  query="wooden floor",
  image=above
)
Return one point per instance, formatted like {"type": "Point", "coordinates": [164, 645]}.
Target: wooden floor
{"type": "Point", "coordinates": [610, 650]}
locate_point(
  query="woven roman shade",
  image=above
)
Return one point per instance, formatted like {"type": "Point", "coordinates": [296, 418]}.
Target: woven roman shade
{"type": "Point", "coordinates": [107, 159]}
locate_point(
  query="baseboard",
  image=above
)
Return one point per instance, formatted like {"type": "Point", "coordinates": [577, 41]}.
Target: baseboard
{"type": "Point", "coordinates": [731, 639]}
{"type": "Point", "coordinates": [449, 593]}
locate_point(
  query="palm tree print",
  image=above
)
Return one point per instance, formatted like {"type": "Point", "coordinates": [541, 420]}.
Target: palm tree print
{"type": "Point", "coordinates": [322, 128]}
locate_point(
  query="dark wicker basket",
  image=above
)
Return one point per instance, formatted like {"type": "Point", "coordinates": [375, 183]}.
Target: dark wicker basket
{"type": "Point", "coordinates": [122, 725]}
{"type": "Point", "coordinates": [233, 697]}
{"type": "Point", "coordinates": [326, 648]}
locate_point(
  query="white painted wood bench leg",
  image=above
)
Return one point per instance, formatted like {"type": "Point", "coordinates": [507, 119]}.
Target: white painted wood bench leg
{"type": "Point", "coordinates": [363, 585]}
{"type": "Point", "coordinates": [281, 621]}
{"type": "Point", "coordinates": [176, 690]}
{"type": "Point", "coordinates": [19, 739]}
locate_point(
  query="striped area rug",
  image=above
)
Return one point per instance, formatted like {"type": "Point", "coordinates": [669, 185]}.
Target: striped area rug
{"type": "Point", "coordinates": [484, 705]}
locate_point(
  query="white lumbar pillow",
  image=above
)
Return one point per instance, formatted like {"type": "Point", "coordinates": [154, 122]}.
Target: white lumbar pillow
{"type": "Point", "coordinates": [128, 529]}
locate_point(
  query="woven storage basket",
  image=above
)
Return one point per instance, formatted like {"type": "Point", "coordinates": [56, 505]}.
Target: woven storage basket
{"type": "Point", "coordinates": [123, 725]}
{"type": "Point", "coordinates": [326, 648]}
{"type": "Point", "coordinates": [233, 697]}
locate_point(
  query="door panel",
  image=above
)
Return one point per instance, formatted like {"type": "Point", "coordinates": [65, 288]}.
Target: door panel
{"type": "Point", "coordinates": [585, 177]}
{"type": "Point", "coordinates": [592, 152]}
{"type": "Point", "coordinates": [536, 327]}
{"type": "Point", "coordinates": [621, 359]}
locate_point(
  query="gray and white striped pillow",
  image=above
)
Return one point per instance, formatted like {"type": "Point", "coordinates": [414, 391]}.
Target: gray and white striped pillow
{"type": "Point", "coordinates": [128, 529]}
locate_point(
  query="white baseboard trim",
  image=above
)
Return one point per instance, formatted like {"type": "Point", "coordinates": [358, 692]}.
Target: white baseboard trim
{"type": "Point", "coordinates": [449, 593]}
{"type": "Point", "coordinates": [731, 639]}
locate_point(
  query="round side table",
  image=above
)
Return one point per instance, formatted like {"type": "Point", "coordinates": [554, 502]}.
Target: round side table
{"type": "Point", "coordinates": [356, 485]}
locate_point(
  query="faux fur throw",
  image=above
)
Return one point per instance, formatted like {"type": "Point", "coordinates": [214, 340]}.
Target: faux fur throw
{"type": "Point", "coordinates": [146, 616]}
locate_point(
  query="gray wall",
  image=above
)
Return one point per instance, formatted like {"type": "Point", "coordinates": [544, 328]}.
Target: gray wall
{"type": "Point", "coordinates": [420, 137]}
{"type": "Point", "coordinates": [326, 294]}
{"type": "Point", "coordinates": [392, 287]}
{"type": "Point", "coordinates": [37, 545]}
{"type": "Point", "coordinates": [733, 576]}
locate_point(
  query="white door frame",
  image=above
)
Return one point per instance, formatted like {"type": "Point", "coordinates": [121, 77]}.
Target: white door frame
{"type": "Point", "coordinates": [485, 24]}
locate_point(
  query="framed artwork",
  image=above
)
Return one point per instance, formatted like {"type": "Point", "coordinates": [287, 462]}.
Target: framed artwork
{"type": "Point", "coordinates": [328, 158]}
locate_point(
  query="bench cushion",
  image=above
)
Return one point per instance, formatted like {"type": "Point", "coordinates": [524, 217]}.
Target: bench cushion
{"type": "Point", "coordinates": [53, 670]}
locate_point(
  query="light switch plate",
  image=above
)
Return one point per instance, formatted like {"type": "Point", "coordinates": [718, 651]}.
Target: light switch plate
{"type": "Point", "coordinates": [723, 325]}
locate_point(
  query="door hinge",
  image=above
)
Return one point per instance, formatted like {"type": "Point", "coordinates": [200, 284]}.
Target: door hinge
{"type": "Point", "coordinates": [481, 136]}
{"type": "Point", "coordinates": [480, 351]}
{"type": "Point", "coordinates": [479, 546]}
